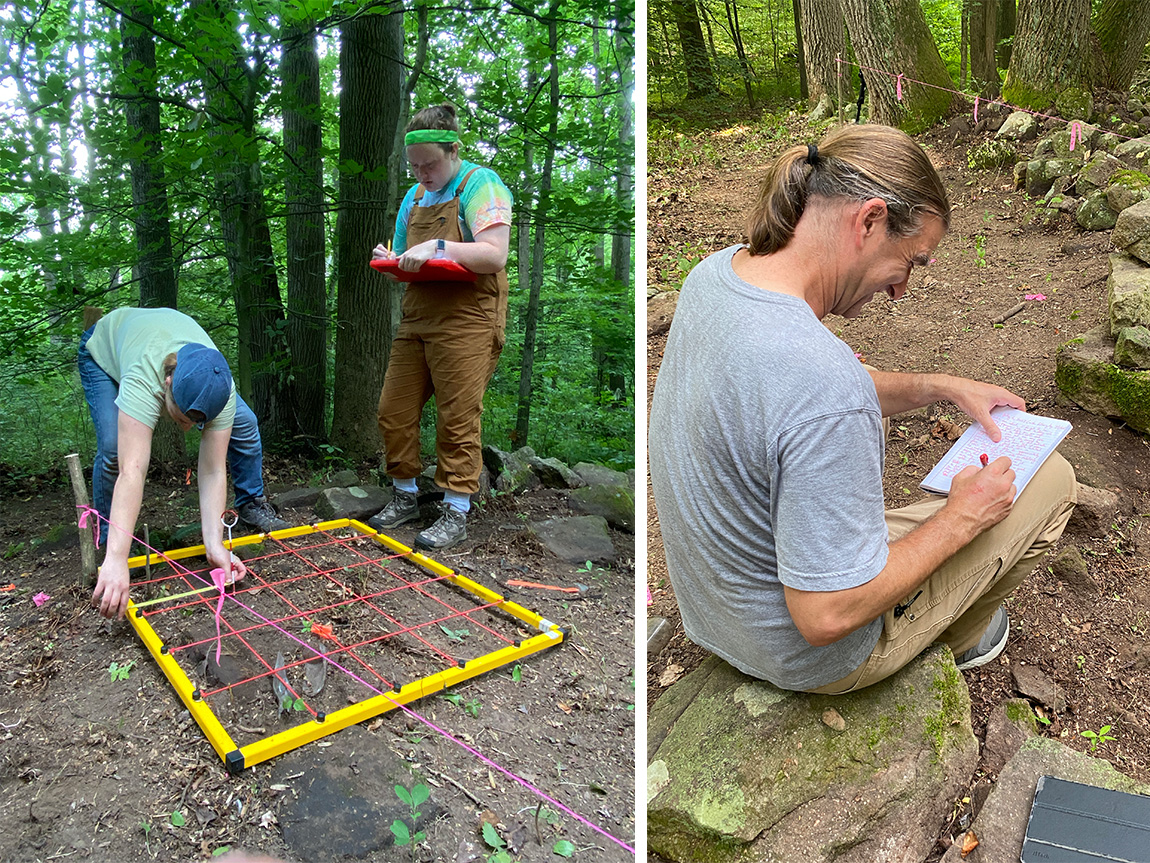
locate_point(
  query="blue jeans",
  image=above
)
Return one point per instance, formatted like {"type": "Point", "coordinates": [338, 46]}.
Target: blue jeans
{"type": "Point", "coordinates": [245, 451]}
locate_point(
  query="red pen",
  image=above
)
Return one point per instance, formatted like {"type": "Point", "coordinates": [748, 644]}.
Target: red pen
{"type": "Point", "coordinates": [985, 459]}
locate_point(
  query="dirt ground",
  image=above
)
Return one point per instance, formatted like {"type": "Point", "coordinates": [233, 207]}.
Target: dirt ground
{"type": "Point", "coordinates": [1089, 638]}
{"type": "Point", "coordinates": [93, 767]}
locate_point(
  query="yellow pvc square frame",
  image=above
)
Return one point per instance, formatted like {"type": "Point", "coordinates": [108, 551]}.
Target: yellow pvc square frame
{"type": "Point", "coordinates": [236, 758]}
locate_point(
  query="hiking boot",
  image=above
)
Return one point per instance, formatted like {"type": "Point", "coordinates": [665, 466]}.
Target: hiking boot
{"type": "Point", "coordinates": [450, 529]}
{"type": "Point", "coordinates": [402, 508]}
{"type": "Point", "coordinates": [260, 516]}
{"type": "Point", "coordinates": [992, 643]}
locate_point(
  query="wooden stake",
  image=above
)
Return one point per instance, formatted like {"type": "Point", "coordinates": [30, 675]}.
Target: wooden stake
{"type": "Point", "coordinates": [87, 546]}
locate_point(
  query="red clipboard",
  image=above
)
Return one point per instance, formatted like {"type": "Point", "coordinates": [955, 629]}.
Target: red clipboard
{"type": "Point", "coordinates": [435, 270]}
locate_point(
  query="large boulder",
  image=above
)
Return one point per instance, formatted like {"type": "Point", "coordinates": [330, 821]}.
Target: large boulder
{"type": "Point", "coordinates": [745, 771]}
{"type": "Point", "coordinates": [597, 474]}
{"type": "Point", "coordinates": [1086, 374]}
{"type": "Point", "coordinates": [1127, 188]}
{"type": "Point", "coordinates": [512, 470]}
{"type": "Point", "coordinates": [554, 474]}
{"type": "Point", "coordinates": [1001, 824]}
{"type": "Point", "coordinates": [1019, 126]}
{"type": "Point", "coordinates": [1128, 292]}
{"type": "Point", "coordinates": [1132, 231]}
{"type": "Point", "coordinates": [1135, 152]}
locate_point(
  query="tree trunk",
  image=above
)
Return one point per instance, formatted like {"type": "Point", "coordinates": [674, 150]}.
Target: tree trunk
{"type": "Point", "coordinates": [232, 88]}
{"type": "Point", "coordinates": [1005, 30]}
{"type": "Point", "coordinates": [149, 193]}
{"type": "Point", "coordinates": [700, 76]}
{"type": "Point", "coordinates": [824, 39]}
{"type": "Point", "coordinates": [523, 413]}
{"type": "Point", "coordinates": [983, 24]}
{"type": "Point", "coordinates": [796, 11]}
{"type": "Point", "coordinates": [892, 36]}
{"type": "Point", "coordinates": [737, 38]}
{"type": "Point", "coordinates": [1122, 28]}
{"type": "Point", "coordinates": [1050, 48]}
{"type": "Point", "coordinates": [370, 64]}
{"type": "Point", "coordinates": [303, 191]}
{"type": "Point", "coordinates": [621, 239]}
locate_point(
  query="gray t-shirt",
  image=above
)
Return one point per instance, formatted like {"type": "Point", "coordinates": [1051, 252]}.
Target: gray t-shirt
{"type": "Point", "coordinates": [766, 454]}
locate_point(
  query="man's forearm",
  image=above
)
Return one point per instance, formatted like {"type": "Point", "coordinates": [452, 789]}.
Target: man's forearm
{"type": "Point", "coordinates": [899, 392]}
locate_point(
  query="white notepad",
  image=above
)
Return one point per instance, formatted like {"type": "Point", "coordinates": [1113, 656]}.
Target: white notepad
{"type": "Point", "coordinates": [1027, 440]}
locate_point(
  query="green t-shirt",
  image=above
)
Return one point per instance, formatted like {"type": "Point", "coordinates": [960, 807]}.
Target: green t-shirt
{"type": "Point", "coordinates": [131, 345]}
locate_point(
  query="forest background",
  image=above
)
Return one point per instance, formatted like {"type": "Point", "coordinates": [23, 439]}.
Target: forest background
{"type": "Point", "coordinates": [239, 161]}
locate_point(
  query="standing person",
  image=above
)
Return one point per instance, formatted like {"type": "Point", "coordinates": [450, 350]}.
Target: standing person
{"type": "Point", "coordinates": [767, 442]}
{"type": "Point", "coordinates": [135, 364]}
{"type": "Point", "coordinates": [451, 333]}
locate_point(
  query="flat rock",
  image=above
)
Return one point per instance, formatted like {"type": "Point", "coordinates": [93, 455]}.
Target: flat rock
{"type": "Point", "coordinates": [616, 503]}
{"type": "Point", "coordinates": [1001, 824]}
{"type": "Point", "coordinates": [659, 632]}
{"type": "Point", "coordinates": [296, 498]}
{"type": "Point", "coordinates": [554, 474]}
{"type": "Point", "coordinates": [1135, 152]}
{"type": "Point", "coordinates": [1032, 683]}
{"type": "Point", "coordinates": [355, 502]}
{"type": "Point", "coordinates": [576, 540]}
{"type": "Point", "coordinates": [745, 771]}
{"type": "Point", "coordinates": [1128, 291]}
{"type": "Point", "coordinates": [342, 479]}
{"type": "Point", "coordinates": [1010, 725]}
{"type": "Point", "coordinates": [342, 800]}
{"type": "Point", "coordinates": [1094, 513]}
{"type": "Point", "coordinates": [597, 474]}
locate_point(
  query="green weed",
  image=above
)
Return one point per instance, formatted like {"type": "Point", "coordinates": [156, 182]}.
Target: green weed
{"type": "Point", "coordinates": [412, 799]}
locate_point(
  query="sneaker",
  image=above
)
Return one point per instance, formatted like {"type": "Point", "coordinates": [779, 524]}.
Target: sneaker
{"type": "Point", "coordinates": [992, 643]}
{"type": "Point", "coordinates": [260, 516]}
{"type": "Point", "coordinates": [450, 529]}
{"type": "Point", "coordinates": [402, 508]}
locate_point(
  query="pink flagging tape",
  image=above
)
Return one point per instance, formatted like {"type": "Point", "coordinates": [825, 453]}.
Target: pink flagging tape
{"type": "Point", "coordinates": [505, 771]}
{"type": "Point", "coordinates": [899, 77]}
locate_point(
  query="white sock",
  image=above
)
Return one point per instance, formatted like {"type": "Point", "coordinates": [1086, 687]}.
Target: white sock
{"type": "Point", "coordinates": [460, 501]}
{"type": "Point", "coordinates": [407, 485]}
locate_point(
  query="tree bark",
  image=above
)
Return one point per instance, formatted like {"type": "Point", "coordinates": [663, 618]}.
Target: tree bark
{"type": "Point", "coordinates": [1050, 48]}
{"type": "Point", "coordinates": [744, 62]}
{"type": "Point", "coordinates": [700, 76]}
{"type": "Point", "coordinates": [157, 272]}
{"type": "Point", "coordinates": [370, 64]}
{"type": "Point", "coordinates": [796, 10]}
{"type": "Point", "coordinates": [1005, 30]}
{"type": "Point", "coordinates": [303, 191]}
{"type": "Point", "coordinates": [523, 412]}
{"type": "Point", "coordinates": [824, 39]}
{"type": "Point", "coordinates": [892, 36]}
{"type": "Point", "coordinates": [983, 23]}
{"type": "Point", "coordinates": [1122, 28]}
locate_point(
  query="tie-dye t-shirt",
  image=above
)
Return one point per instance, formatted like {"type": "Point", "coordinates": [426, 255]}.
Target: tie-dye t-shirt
{"type": "Point", "coordinates": [485, 202]}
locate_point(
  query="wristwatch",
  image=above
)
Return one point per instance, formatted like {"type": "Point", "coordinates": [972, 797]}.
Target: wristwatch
{"type": "Point", "coordinates": [440, 248]}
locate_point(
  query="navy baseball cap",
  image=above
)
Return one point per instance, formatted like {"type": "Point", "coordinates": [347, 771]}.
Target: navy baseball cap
{"type": "Point", "coordinates": [201, 381]}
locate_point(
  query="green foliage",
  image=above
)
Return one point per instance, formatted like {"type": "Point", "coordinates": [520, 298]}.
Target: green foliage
{"type": "Point", "coordinates": [563, 848]}
{"type": "Point", "coordinates": [1102, 735]}
{"type": "Point", "coordinates": [493, 840]}
{"type": "Point", "coordinates": [413, 799]}
{"type": "Point", "coordinates": [120, 672]}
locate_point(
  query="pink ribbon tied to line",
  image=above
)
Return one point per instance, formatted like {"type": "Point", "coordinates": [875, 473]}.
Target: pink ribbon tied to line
{"type": "Point", "coordinates": [1075, 133]}
{"type": "Point", "coordinates": [219, 580]}
{"type": "Point", "coordinates": [86, 511]}
{"type": "Point", "coordinates": [898, 86]}
{"type": "Point", "coordinates": [976, 110]}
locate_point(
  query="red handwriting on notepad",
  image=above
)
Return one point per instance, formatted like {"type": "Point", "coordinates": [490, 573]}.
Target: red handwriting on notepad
{"type": "Point", "coordinates": [1024, 444]}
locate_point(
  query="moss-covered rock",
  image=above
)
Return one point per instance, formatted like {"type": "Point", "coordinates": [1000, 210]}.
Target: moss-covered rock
{"type": "Point", "coordinates": [1135, 152]}
{"type": "Point", "coordinates": [1132, 230]}
{"type": "Point", "coordinates": [1095, 214]}
{"type": "Point", "coordinates": [1098, 173]}
{"type": "Point", "coordinates": [1086, 373]}
{"type": "Point", "coordinates": [1128, 292]}
{"type": "Point", "coordinates": [1019, 126]}
{"type": "Point", "coordinates": [616, 503]}
{"type": "Point", "coordinates": [1075, 104]}
{"type": "Point", "coordinates": [747, 771]}
{"type": "Point", "coordinates": [1132, 350]}
{"type": "Point", "coordinates": [1041, 174]}
{"type": "Point", "coordinates": [991, 154]}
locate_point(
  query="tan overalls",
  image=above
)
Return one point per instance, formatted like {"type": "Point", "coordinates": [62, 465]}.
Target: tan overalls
{"type": "Point", "coordinates": [448, 343]}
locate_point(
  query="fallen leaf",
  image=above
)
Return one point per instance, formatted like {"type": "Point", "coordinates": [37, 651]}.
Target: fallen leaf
{"type": "Point", "coordinates": [566, 708]}
{"type": "Point", "coordinates": [268, 820]}
{"type": "Point", "coordinates": [670, 674]}
{"type": "Point", "coordinates": [969, 842]}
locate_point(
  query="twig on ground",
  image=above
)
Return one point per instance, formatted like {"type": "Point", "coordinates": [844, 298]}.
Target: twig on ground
{"type": "Point", "coordinates": [1009, 313]}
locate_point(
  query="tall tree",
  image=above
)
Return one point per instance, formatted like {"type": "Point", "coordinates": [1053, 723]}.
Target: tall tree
{"type": "Point", "coordinates": [1122, 28]}
{"type": "Point", "coordinates": [796, 15]}
{"type": "Point", "coordinates": [370, 63]}
{"type": "Point", "coordinates": [233, 83]}
{"type": "Point", "coordinates": [1050, 46]}
{"type": "Point", "coordinates": [824, 40]}
{"type": "Point", "coordinates": [303, 191]}
{"type": "Point", "coordinates": [1005, 31]}
{"type": "Point", "coordinates": [523, 414]}
{"type": "Point", "coordinates": [892, 35]}
{"type": "Point", "coordinates": [982, 27]}
{"type": "Point", "coordinates": [701, 80]}
{"type": "Point", "coordinates": [157, 271]}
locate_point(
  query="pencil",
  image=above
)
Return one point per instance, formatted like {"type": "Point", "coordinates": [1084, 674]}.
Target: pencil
{"type": "Point", "coordinates": [985, 459]}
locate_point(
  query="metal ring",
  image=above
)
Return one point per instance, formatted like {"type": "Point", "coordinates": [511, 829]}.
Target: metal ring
{"type": "Point", "coordinates": [235, 518]}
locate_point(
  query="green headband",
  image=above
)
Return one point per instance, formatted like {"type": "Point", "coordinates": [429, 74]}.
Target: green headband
{"type": "Point", "coordinates": [430, 136]}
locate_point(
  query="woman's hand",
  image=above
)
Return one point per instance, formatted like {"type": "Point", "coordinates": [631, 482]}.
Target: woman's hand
{"type": "Point", "coordinates": [112, 585]}
{"type": "Point", "coordinates": [382, 253]}
{"type": "Point", "coordinates": [233, 567]}
{"type": "Point", "coordinates": [417, 256]}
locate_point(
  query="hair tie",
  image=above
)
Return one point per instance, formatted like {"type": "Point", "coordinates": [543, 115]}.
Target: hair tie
{"type": "Point", "coordinates": [812, 155]}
